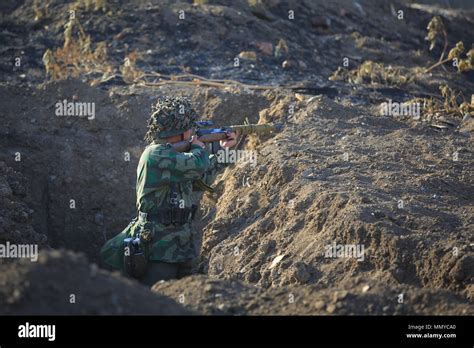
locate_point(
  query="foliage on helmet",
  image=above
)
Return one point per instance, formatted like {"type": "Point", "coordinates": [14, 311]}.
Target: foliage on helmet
{"type": "Point", "coordinates": [170, 116]}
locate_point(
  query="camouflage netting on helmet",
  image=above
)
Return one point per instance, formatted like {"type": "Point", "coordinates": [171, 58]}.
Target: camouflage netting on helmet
{"type": "Point", "coordinates": [170, 116]}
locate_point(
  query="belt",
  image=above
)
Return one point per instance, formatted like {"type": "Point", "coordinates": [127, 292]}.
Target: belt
{"type": "Point", "coordinates": [170, 216]}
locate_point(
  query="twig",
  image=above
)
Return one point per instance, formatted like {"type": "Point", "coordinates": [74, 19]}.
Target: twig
{"type": "Point", "coordinates": [437, 64]}
{"type": "Point", "coordinates": [200, 81]}
{"type": "Point", "coordinates": [445, 48]}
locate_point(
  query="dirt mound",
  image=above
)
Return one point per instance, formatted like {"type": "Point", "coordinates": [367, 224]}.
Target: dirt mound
{"type": "Point", "coordinates": [73, 286]}
{"type": "Point", "coordinates": [357, 297]}
{"type": "Point", "coordinates": [340, 176]}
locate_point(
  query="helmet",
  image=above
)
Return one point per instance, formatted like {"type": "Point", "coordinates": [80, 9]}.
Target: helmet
{"type": "Point", "coordinates": [170, 116]}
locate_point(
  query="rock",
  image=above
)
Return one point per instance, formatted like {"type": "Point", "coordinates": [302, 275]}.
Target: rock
{"type": "Point", "coordinates": [265, 47]}
{"type": "Point", "coordinates": [331, 308]}
{"type": "Point", "coordinates": [299, 97]}
{"type": "Point", "coordinates": [268, 246]}
{"type": "Point", "coordinates": [276, 260]}
{"type": "Point", "coordinates": [321, 22]}
{"type": "Point", "coordinates": [286, 64]}
{"type": "Point", "coordinates": [300, 272]}
{"type": "Point", "coordinates": [340, 295]}
{"type": "Point", "coordinates": [250, 55]}
{"type": "Point", "coordinates": [319, 305]}
{"type": "Point", "coordinates": [464, 269]}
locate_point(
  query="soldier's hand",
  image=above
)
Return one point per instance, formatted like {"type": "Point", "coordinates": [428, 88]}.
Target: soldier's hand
{"type": "Point", "coordinates": [195, 140]}
{"type": "Point", "coordinates": [231, 140]}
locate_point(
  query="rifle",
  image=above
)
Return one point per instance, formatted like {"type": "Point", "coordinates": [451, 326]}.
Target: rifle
{"type": "Point", "coordinates": [212, 136]}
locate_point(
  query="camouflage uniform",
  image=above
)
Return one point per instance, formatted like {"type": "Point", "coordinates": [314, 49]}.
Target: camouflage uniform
{"type": "Point", "coordinates": [164, 177]}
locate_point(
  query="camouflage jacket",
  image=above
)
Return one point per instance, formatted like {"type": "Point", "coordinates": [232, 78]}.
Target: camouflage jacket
{"type": "Point", "coordinates": [159, 168]}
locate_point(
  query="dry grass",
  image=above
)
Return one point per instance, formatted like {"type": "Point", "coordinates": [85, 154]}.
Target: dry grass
{"type": "Point", "coordinates": [450, 103]}
{"type": "Point", "coordinates": [437, 30]}
{"type": "Point", "coordinates": [78, 56]}
{"type": "Point", "coordinates": [372, 72]}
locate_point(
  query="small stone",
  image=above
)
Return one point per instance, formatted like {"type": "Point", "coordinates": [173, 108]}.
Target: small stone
{"type": "Point", "coordinates": [276, 260]}
{"type": "Point", "coordinates": [268, 246]}
{"type": "Point", "coordinates": [250, 55]}
{"type": "Point", "coordinates": [366, 288]}
{"type": "Point", "coordinates": [299, 97]}
{"type": "Point", "coordinates": [341, 295]}
{"type": "Point", "coordinates": [331, 308]}
{"type": "Point", "coordinates": [321, 22]}
{"type": "Point", "coordinates": [319, 305]}
{"type": "Point", "coordinates": [300, 272]}
{"type": "Point", "coordinates": [286, 64]}
{"type": "Point", "coordinates": [265, 47]}
{"type": "Point", "coordinates": [14, 297]}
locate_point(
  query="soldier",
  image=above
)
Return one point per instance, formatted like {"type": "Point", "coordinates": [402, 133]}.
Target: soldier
{"type": "Point", "coordinates": [158, 244]}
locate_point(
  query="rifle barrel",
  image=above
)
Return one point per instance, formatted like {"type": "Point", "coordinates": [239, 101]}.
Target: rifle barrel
{"type": "Point", "coordinates": [256, 128]}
